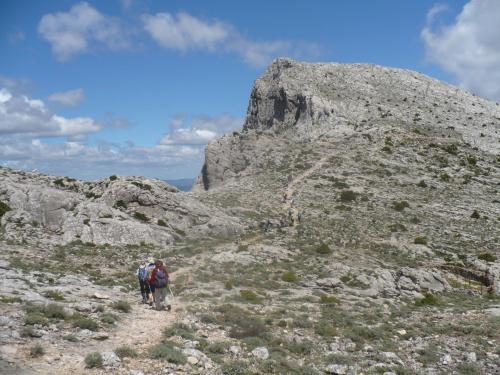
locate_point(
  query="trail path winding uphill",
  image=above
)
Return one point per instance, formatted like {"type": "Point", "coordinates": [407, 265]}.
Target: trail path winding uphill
{"type": "Point", "coordinates": [290, 190]}
{"type": "Point", "coordinates": [140, 329]}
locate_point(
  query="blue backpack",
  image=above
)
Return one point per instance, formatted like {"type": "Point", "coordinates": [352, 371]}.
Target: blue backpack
{"type": "Point", "coordinates": [143, 273]}
{"type": "Point", "coordinates": [161, 279]}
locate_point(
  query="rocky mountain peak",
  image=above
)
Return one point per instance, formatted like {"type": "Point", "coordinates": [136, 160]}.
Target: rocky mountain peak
{"type": "Point", "coordinates": [328, 99]}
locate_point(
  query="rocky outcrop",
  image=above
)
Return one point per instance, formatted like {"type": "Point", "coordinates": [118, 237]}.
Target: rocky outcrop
{"type": "Point", "coordinates": [116, 210]}
{"type": "Point", "coordinates": [314, 102]}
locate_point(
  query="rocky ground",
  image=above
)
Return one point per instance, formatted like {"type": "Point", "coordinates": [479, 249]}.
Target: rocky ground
{"type": "Point", "coordinates": [396, 178]}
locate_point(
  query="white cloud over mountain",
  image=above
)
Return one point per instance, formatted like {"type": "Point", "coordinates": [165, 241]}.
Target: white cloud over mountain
{"type": "Point", "coordinates": [186, 32]}
{"type": "Point", "coordinates": [469, 48]}
{"type": "Point", "coordinates": [201, 130]}
{"type": "Point", "coordinates": [68, 98]}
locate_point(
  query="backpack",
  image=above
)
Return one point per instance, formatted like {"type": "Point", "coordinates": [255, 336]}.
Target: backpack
{"type": "Point", "coordinates": [143, 273]}
{"type": "Point", "coordinates": [161, 279]}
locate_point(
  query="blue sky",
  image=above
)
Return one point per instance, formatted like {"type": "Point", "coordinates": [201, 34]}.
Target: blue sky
{"type": "Point", "coordinates": [95, 88]}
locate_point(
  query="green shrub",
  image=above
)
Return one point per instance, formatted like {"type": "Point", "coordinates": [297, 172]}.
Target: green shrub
{"type": "Point", "coordinates": [122, 306]}
{"type": "Point", "coordinates": [162, 223]}
{"type": "Point", "coordinates": [428, 300]}
{"type": "Point", "coordinates": [28, 331]}
{"type": "Point", "coordinates": [228, 284]}
{"type": "Point", "coordinates": [84, 323]}
{"type": "Point", "coordinates": [475, 215]}
{"type": "Point", "coordinates": [487, 257]}
{"type": "Point", "coordinates": [113, 178]}
{"type": "Point", "coordinates": [219, 347]}
{"type": "Point", "coordinates": [348, 196]}
{"type": "Point", "coordinates": [445, 177]}
{"type": "Point", "coordinates": [168, 351]}
{"type": "Point", "coordinates": [250, 296]}
{"type": "Point", "coordinates": [4, 208]}
{"type": "Point", "coordinates": [55, 311]}
{"type": "Point", "coordinates": [125, 351]}
{"type": "Point", "coordinates": [289, 277]}
{"type": "Point", "coordinates": [469, 369]}
{"type": "Point", "coordinates": [325, 328]}
{"type": "Point", "coordinates": [109, 318]}
{"type": "Point", "coordinates": [208, 319]}
{"type": "Point", "coordinates": [323, 249]}
{"type": "Point", "coordinates": [37, 350]}
{"type": "Point", "coordinates": [400, 206]}
{"type": "Point", "coordinates": [181, 330]}
{"type": "Point", "coordinates": [451, 149]}
{"type": "Point", "coordinates": [236, 368]}
{"type": "Point", "coordinates": [59, 182]}
{"type": "Point", "coordinates": [93, 360]}
{"type": "Point", "coordinates": [421, 240]}
{"type": "Point", "coordinates": [329, 300]}
{"type": "Point", "coordinates": [71, 338]}
{"type": "Point", "coordinates": [35, 318]}
{"type": "Point", "coordinates": [55, 295]}
{"type": "Point", "coordinates": [121, 204]}
{"type": "Point", "coordinates": [471, 159]}
{"type": "Point", "coordinates": [141, 217]}
{"type": "Point", "coordinates": [422, 184]}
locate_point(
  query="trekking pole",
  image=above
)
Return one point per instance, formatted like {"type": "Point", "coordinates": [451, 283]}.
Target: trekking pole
{"type": "Point", "coordinates": [170, 290]}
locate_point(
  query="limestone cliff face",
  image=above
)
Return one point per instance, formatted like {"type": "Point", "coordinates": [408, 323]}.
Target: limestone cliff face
{"type": "Point", "coordinates": [318, 101]}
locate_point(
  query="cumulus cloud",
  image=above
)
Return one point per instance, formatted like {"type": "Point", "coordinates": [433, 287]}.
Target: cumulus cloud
{"type": "Point", "coordinates": [81, 160]}
{"type": "Point", "coordinates": [68, 98]}
{"type": "Point", "coordinates": [21, 115]}
{"type": "Point", "coordinates": [185, 32]}
{"type": "Point", "coordinates": [469, 48]}
{"type": "Point", "coordinates": [72, 32]}
{"type": "Point", "coordinates": [201, 130]}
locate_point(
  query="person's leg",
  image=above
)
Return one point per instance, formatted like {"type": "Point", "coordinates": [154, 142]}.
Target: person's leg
{"type": "Point", "coordinates": [168, 299]}
{"type": "Point", "coordinates": [159, 298]}
{"type": "Point", "coordinates": [148, 291]}
{"type": "Point", "coordinates": [153, 293]}
{"type": "Point", "coordinates": [143, 291]}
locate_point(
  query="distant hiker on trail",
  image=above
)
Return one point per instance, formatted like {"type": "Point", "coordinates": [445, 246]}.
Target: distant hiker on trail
{"type": "Point", "coordinates": [300, 217]}
{"type": "Point", "coordinates": [151, 267]}
{"type": "Point", "coordinates": [285, 197]}
{"type": "Point", "coordinates": [142, 275]}
{"type": "Point", "coordinates": [289, 179]}
{"type": "Point", "coordinates": [160, 279]}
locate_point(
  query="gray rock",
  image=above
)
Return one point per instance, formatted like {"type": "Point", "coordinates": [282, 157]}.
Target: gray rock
{"type": "Point", "coordinates": [446, 359]}
{"type": "Point", "coordinates": [471, 357]}
{"type": "Point", "coordinates": [110, 359]}
{"type": "Point", "coordinates": [336, 369]}
{"type": "Point", "coordinates": [235, 349]}
{"type": "Point", "coordinates": [261, 352]}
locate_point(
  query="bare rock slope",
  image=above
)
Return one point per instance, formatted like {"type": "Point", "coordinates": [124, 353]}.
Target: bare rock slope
{"type": "Point", "coordinates": [114, 211]}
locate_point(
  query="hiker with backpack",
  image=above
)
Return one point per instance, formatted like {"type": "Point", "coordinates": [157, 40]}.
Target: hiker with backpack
{"type": "Point", "coordinates": [151, 266]}
{"type": "Point", "coordinates": [160, 279]}
{"type": "Point", "coordinates": [142, 275]}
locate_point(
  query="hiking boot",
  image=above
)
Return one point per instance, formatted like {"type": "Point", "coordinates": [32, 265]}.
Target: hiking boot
{"type": "Point", "coordinates": [169, 307]}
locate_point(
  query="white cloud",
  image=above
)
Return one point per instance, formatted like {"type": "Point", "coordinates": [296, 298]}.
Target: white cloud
{"type": "Point", "coordinates": [470, 47]}
{"type": "Point", "coordinates": [81, 160]}
{"type": "Point", "coordinates": [185, 32]}
{"type": "Point", "coordinates": [68, 98]}
{"type": "Point", "coordinates": [202, 129]}
{"type": "Point", "coordinates": [72, 32]}
{"type": "Point", "coordinates": [31, 117]}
